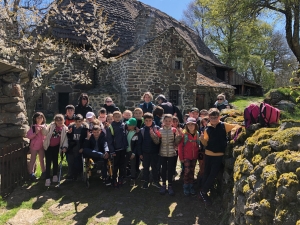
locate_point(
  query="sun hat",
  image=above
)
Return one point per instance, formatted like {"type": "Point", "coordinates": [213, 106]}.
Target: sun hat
{"type": "Point", "coordinates": [90, 115]}
{"type": "Point", "coordinates": [191, 120]}
{"type": "Point", "coordinates": [131, 122]}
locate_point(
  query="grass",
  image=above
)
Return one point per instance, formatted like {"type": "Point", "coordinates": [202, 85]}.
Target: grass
{"type": "Point", "coordinates": [241, 102]}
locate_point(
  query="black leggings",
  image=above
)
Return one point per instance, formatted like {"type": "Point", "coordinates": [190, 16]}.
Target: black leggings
{"type": "Point", "coordinates": [51, 157]}
{"type": "Point", "coordinates": [167, 164]}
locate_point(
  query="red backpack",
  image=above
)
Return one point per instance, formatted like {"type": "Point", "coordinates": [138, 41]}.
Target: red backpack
{"type": "Point", "coordinates": [251, 114]}
{"type": "Point", "coordinates": [268, 115]}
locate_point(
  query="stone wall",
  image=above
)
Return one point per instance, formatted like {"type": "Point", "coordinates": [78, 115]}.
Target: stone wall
{"type": "Point", "coordinates": [151, 68]}
{"type": "Point", "coordinates": [13, 120]}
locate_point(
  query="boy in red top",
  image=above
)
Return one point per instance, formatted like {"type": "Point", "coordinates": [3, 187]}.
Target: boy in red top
{"type": "Point", "coordinates": [214, 138]}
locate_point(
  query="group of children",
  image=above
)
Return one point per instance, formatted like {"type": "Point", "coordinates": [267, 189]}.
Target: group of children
{"type": "Point", "coordinates": [156, 140]}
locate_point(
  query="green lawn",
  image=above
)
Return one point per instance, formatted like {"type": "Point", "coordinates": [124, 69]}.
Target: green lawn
{"type": "Point", "coordinates": [241, 102]}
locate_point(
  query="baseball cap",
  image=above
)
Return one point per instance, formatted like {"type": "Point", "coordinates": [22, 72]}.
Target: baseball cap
{"type": "Point", "coordinates": [191, 120]}
{"type": "Point", "coordinates": [131, 122]}
{"type": "Point", "coordinates": [90, 115]}
{"type": "Point", "coordinates": [194, 109]}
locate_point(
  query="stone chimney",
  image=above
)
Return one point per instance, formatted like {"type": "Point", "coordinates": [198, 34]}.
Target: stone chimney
{"type": "Point", "coordinates": [145, 27]}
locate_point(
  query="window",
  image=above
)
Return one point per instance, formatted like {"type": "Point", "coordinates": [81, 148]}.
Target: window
{"type": "Point", "coordinates": [174, 97]}
{"type": "Point", "coordinates": [39, 103]}
{"type": "Point", "coordinates": [178, 65]}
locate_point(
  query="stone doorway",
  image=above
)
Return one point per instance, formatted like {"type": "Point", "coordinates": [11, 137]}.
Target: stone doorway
{"type": "Point", "coordinates": [200, 100]}
{"type": "Point", "coordinates": [63, 101]}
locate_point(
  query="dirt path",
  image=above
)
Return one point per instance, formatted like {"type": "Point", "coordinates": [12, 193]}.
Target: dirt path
{"type": "Point", "coordinates": [73, 203]}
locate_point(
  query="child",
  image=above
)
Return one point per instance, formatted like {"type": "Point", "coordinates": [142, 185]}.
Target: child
{"type": "Point", "coordinates": [127, 114]}
{"type": "Point", "coordinates": [168, 139]}
{"type": "Point", "coordinates": [157, 114]}
{"type": "Point", "coordinates": [56, 140]}
{"type": "Point", "coordinates": [70, 116]}
{"type": "Point", "coordinates": [76, 135]}
{"type": "Point", "coordinates": [117, 144]}
{"type": "Point", "coordinates": [148, 151]}
{"type": "Point", "coordinates": [91, 120]}
{"type": "Point", "coordinates": [138, 114]}
{"type": "Point", "coordinates": [109, 119]}
{"type": "Point", "coordinates": [131, 152]}
{"type": "Point", "coordinates": [147, 105]}
{"type": "Point", "coordinates": [194, 113]}
{"type": "Point", "coordinates": [188, 154]}
{"type": "Point", "coordinates": [36, 143]}
{"type": "Point", "coordinates": [95, 147]}
{"type": "Point", "coordinates": [102, 115]}
{"type": "Point", "coordinates": [214, 138]}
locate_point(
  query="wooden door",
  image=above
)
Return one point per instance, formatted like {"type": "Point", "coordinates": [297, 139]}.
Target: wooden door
{"type": "Point", "coordinates": [200, 101]}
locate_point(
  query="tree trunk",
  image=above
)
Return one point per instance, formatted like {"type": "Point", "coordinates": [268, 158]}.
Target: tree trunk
{"type": "Point", "coordinates": [32, 94]}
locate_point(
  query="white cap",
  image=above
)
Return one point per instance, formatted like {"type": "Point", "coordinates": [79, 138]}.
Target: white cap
{"type": "Point", "coordinates": [90, 115]}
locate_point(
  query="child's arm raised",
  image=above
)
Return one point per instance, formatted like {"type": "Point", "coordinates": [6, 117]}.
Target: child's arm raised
{"type": "Point", "coordinates": [178, 136]}
{"type": "Point", "coordinates": [204, 137]}
{"type": "Point", "coordinates": [154, 136]}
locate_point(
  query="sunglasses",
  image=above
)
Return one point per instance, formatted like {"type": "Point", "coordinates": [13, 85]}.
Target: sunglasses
{"type": "Point", "coordinates": [220, 99]}
{"type": "Point", "coordinates": [84, 98]}
{"type": "Point", "coordinates": [108, 101]}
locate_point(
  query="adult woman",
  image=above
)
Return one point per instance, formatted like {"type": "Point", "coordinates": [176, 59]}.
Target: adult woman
{"type": "Point", "coordinates": [147, 105]}
{"type": "Point", "coordinates": [109, 105]}
{"type": "Point", "coordinates": [221, 102]}
{"type": "Point", "coordinates": [83, 106]}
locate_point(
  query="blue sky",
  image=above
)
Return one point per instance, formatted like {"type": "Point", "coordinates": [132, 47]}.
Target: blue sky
{"type": "Point", "coordinates": [173, 8]}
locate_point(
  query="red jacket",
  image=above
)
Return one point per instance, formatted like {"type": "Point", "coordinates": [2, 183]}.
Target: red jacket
{"type": "Point", "coordinates": [189, 150]}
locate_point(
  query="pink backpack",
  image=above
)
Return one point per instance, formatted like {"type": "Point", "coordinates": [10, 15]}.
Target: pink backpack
{"type": "Point", "coordinates": [268, 115]}
{"type": "Point", "coordinates": [251, 114]}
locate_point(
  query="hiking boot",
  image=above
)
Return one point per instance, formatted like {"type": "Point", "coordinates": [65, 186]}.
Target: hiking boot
{"type": "Point", "coordinates": [192, 190]}
{"type": "Point", "coordinates": [145, 185]}
{"type": "Point", "coordinates": [47, 183]}
{"type": "Point", "coordinates": [33, 177]}
{"type": "Point", "coordinates": [186, 189]}
{"type": "Point", "coordinates": [55, 179]}
{"type": "Point", "coordinates": [156, 184]}
{"type": "Point", "coordinates": [162, 190]}
{"type": "Point", "coordinates": [132, 182]}
{"type": "Point", "coordinates": [204, 197]}
{"type": "Point", "coordinates": [170, 190]}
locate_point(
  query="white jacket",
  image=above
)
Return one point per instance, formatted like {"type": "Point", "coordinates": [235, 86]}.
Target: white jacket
{"type": "Point", "coordinates": [47, 131]}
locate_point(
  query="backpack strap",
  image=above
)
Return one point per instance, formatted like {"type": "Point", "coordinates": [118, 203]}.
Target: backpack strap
{"type": "Point", "coordinates": [186, 138]}
{"type": "Point", "coordinates": [111, 130]}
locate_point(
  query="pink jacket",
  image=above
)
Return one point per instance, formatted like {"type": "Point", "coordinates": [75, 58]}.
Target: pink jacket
{"type": "Point", "coordinates": [36, 140]}
{"type": "Point", "coordinates": [190, 150]}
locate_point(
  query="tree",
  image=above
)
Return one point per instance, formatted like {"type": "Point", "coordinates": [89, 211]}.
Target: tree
{"type": "Point", "coordinates": [32, 45]}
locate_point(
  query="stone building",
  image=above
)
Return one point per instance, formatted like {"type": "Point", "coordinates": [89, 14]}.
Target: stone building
{"type": "Point", "coordinates": [155, 53]}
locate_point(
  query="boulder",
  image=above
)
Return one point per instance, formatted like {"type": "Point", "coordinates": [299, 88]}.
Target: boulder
{"type": "Point", "coordinates": [14, 107]}
{"type": "Point", "coordinates": [286, 139]}
{"type": "Point", "coordinates": [14, 131]}
{"type": "Point", "coordinates": [285, 105]}
{"type": "Point", "coordinates": [12, 90]}
{"type": "Point", "coordinates": [289, 124]}
{"type": "Point", "coordinates": [13, 118]}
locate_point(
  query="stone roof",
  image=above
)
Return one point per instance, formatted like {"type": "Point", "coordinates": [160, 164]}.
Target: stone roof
{"type": "Point", "coordinates": [209, 81]}
{"type": "Point", "coordinates": [123, 13]}
{"type": "Point", "coordinates": [6, 67]}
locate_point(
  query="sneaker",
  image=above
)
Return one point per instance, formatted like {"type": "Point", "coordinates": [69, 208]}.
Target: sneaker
{"type": "Point", "coordinates": [170, 190]}
{"type": "Point", "coordinates": [162, 190]}
{"type": "Point", "coordinates": [43, 176]}
{"type": "Point", "coordinates": [55, 179]}
{"type": "Point", "coordinates": [145, 185]}
{"type": "Point", "coordinates": [156, 184]}
{"type": "Point", "coordinates": [47, 183]}
{"type": "Point", "coordinates": [107, 182]}
{"type": "Point", "coordinates": [204, 197]}
{"type": "Point", "coordinates": [33, 177]}
{"type": "Point", "coordinates": [132, 182]}
{"type": "Point", "coordinates": [192, 190]}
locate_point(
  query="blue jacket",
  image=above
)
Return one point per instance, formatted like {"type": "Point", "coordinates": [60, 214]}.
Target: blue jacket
{"type": "Point", "coordinates": [147, 107]}
{"type": "Point", "coordinates": [117, 140]}
{"type": "Point", "coordinates": [145, 142]}
{"type": "Point", "coordinates": [91, 143]}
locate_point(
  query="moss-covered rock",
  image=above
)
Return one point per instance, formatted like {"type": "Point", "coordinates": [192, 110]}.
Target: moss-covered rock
{"type": "Point", "coordinates": [286, 139]}
{"type": "Point", "coordinates": [287, 188]}
{"type": "Point", "coordinates": [241, 167]}
{"type": "Point", "coordinates": [287, 161]}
